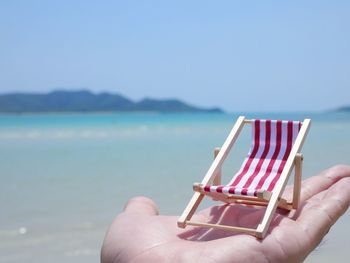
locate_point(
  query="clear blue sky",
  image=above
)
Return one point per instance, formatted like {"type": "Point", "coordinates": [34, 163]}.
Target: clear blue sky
{"type": "Point", "coordinates": [239, 55]}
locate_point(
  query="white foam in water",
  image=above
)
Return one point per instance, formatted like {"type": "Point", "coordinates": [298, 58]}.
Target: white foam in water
{"type": "Point", "coordinates": [82, 252]}
{"type": "Point", "coordinates": [61, 134]}
{"type": "Point", "coordinates": [22, 230]}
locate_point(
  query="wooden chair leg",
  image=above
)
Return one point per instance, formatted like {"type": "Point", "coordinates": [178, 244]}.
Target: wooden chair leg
{"type": "Point", "coordinates": [297, 180]}
{"type": "Point", "coordinates": [217, 178]}
{"type": "Point", "coordinates": [190, 209]}
{"type": "Point", "coordinates": [269, 212]}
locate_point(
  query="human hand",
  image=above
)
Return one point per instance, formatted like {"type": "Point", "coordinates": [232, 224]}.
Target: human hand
{"type": "Point", "coordinates": [139, 234]}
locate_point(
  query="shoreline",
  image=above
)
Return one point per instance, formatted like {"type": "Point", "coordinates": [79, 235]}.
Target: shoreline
{"type": "Point", "coordinates": [71, 113]}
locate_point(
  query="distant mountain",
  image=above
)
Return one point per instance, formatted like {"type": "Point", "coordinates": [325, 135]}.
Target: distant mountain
{"type": "Point", "coordinates": [346, 108]}
{"type": "Point", "coordinates": [86, 101]}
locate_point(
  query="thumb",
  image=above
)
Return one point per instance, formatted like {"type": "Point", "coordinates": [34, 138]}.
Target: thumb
{"type": "Point", "coordinates": [141, 205]}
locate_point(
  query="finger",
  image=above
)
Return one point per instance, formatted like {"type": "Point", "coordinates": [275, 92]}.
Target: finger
{"type": "Point", "coordinates": [323, 210]}
{"type": "Point", "coordinates": [141, 205]}
{"type": "Point", "coordinates": [323, 181]}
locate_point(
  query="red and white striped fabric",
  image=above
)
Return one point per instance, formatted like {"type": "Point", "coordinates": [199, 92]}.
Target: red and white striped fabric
{"type": "Point", "coordinates": [272, 141]}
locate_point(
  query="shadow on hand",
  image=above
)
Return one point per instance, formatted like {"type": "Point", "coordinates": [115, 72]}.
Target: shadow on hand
{"type": "Point", "coordinates": [231, 215]}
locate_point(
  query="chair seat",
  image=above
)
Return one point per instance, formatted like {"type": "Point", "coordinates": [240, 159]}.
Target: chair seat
{"type": "Point", "coordinates": [272, 141]}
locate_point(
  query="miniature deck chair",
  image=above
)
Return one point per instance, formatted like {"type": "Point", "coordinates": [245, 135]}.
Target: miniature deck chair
{"type": "Point", "coordinates": [262, 178]}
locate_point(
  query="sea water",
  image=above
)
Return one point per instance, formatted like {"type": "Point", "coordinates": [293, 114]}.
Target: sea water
{"type": "Point", "coordinates": [63, 178]}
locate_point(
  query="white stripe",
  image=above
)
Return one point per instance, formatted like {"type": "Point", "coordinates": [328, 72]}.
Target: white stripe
{"type": "Point", "coordinates": [252, 146]}
{"type": "Point", "coordinates": [295, 130]}
{"type": "Point", "coordinates": [253, 138]}
{"type": "Point", "coordinates": [226, 189]}
{"type": "Point", "coordinates": [266, 162]}
{"type": "Point", "coordinates": [284, 140]}
{"type": "Point", "coordinates": [251, 192]}
{"type": "Point", "coordinates": [257, 157]}
{"type": "Point", "coordinates": [273, 143]}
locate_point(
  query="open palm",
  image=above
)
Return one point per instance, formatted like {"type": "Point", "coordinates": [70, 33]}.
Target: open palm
{"type": "Point", "coordinates": [139, 234]}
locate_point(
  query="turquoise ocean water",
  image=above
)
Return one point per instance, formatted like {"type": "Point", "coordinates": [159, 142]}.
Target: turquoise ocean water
{"type": "Point", "coordinates": [65, 177]}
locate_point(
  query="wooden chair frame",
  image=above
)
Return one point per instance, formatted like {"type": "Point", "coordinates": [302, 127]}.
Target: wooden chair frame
{"type": "Point", "coordinates": [271, 200]}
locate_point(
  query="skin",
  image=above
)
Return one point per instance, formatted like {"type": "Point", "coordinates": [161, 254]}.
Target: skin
{"type": "Point", "coordinates": [140, 234]}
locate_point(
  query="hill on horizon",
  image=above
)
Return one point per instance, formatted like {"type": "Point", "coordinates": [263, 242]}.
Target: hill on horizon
{"type": "Point", "coordinates": [86, 101]}
{"type": "Point", "coordinates": [344, 108]}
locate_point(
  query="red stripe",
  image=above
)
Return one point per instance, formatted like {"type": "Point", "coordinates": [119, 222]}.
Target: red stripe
{"type": "Point", "coordinates": [274, 156]}
{"type": "Point", "coordinates": [285, 156]}
{"type": "Point", "coordinates": [253, 153]}
{"type": "Point", "coordinates": [207, 188]}
{"type": "Point", "coordinates": [231, 190]}
{"type": "Point", "coordinates": [263, 156]}
{"type": "Point", "coordinates": [219, 189]}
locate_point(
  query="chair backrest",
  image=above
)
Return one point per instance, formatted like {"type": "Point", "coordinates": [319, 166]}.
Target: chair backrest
{"type": "Point", "coordinates": [272, 141]}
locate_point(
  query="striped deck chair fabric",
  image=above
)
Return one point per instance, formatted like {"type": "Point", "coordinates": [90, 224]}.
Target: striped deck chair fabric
{"type": "Point", "coordinates": [272, 141]}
